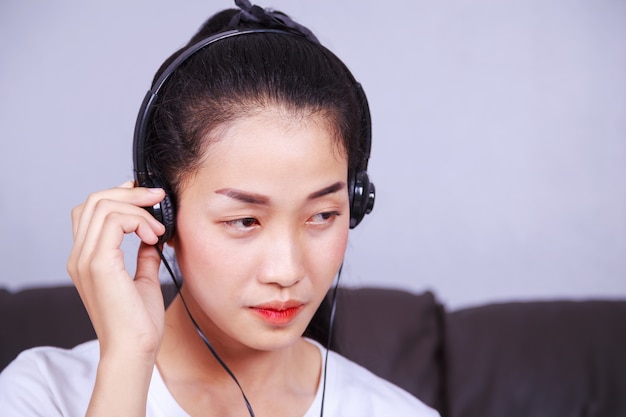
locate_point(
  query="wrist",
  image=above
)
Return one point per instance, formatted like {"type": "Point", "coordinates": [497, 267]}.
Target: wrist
{"type": "Point", "coordinates": [122, 384]}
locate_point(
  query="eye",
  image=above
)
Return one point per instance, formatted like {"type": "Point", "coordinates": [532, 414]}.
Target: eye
{"type": "Point", "coordinates": [244, 223]}
{"type": "Point", "coordinates": [324, 218]}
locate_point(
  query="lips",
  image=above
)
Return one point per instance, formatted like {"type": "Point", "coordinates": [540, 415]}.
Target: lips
{"type": "Point", "coordinates": [278, 313]}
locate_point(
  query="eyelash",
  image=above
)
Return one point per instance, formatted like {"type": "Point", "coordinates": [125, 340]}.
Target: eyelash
{"type": "Point", "coordinates": [248, 223]}
{"type": "Point", "coordinates": [326, 216]}
{"type": "Point", "coordinates": [241, 223]}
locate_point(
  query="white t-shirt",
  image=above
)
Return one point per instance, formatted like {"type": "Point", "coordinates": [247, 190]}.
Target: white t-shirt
{"type": "Point", "coordinates": [49, 382]}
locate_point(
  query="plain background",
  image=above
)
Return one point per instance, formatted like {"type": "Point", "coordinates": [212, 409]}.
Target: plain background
{"type": "Point", "coordinates": [499, 150]}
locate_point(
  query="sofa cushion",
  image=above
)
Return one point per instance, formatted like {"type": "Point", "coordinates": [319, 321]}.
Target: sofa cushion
{"type": "Point", "coordinates": [396, 334]}
{"type": "Point", "coordinates": [559, 358]}
{"type": "Point", "coordinates": [46, 316]}
{"type": "Point", "coordinates": [41, 317]}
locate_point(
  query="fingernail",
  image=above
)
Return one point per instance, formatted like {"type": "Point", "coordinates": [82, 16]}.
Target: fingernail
{"type": "Point", "coordinates": [127, 184]}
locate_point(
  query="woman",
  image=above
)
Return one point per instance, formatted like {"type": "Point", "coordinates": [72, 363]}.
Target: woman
{"type": "Point", "coordinates": [251, 151]}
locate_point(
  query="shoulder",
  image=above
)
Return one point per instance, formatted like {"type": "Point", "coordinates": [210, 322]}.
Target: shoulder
{"type": "Point", "coordinates": [48, 378]}
{"type": "Point", "coordinates": [353, 390]}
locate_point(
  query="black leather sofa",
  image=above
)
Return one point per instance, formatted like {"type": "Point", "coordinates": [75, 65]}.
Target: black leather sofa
{"type": "Point", "coordinates": [532, 359]}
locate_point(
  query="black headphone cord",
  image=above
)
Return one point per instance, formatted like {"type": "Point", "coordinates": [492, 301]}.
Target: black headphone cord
{"type": "Point", "coordinates": [331, 326]}
{"type": "Point", "coordinates": [200, 333]}
{"type": "Point", "coordinates": [208, 344]}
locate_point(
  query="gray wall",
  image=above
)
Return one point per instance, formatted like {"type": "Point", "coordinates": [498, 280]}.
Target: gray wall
{"type": "Point", "coordinates": [499, 135]}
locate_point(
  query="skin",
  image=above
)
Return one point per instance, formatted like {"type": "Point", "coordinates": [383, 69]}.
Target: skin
{"type": "Point", "coordinates": [262, 225]}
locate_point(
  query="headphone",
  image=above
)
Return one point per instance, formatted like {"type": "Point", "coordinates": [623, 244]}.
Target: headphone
{"type": "Point", "coordinates": [361, 191]}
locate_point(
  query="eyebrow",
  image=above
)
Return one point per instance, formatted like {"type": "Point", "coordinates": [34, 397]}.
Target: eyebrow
{"type": "Point", "coordinates": [252, 198]}
{"type": "Point", "coordinates": [338, 186]}
{"type": "Point", "coordinates": [244, 197]}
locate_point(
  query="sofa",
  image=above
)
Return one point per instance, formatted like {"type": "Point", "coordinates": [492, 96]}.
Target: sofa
{"type": "Point", "coordinates": [554, 358]}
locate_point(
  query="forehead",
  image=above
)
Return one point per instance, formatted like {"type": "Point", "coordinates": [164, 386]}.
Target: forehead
{"type": "Point", "coordinates": [272, 144]}
{"type": "Point", "coordinates": [293, 129]}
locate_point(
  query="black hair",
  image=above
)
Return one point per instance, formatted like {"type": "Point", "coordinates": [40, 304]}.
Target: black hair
{"type": "Point", "coordinates": [238, 76]}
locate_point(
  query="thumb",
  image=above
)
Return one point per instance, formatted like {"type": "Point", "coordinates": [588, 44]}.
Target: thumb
{"type": "Point", "coordinates": [148, 262]}
{"type": "Point", "coordinates": [147, 276]}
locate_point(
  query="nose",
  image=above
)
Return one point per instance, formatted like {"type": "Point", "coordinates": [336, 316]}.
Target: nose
{"type": "Point", "coordinates": [283, 260]}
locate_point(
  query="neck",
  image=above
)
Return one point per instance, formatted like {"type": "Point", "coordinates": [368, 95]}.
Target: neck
{"type": "Point", "coordinates": [187, 366]}
{"type": "Point", "coordinates": [183, 348]}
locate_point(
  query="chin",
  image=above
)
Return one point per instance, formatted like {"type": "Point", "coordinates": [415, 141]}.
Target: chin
{"type": "Point", "coordinates": [273, 342]}
{"type": "Point", "coordinates": [273, 338]}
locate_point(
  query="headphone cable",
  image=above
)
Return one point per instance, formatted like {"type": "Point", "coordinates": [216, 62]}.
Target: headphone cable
{"type": "Point", "coordinates": [201, 334]}
{"type": "Point", "coordinates": [208, 344]}
{"type": "Point", "coordinates": [331, 326]}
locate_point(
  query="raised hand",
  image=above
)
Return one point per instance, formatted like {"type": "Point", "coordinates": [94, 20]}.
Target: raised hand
{"type": "Point", "coordinates": [127, 314]}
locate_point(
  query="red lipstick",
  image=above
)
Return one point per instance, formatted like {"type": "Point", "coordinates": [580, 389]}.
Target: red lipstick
{"type": "Point", "coordinates": [278, 313]}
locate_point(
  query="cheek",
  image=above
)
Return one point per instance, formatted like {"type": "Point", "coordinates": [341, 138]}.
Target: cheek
{"type": "Point", "coordinates": [203, 260]}
{"type": "Point", "coordinates": [327, 255]}
{"type": "Point", "coordinates": [338, 246]}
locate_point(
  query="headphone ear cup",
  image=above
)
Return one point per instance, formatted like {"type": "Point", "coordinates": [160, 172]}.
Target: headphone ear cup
{"type": "Point", "coordinates": [168, 218]}
{"type": "Point", "coordinates": [164, 212]}
{"type": "Point", "coordinates": [362, 194]}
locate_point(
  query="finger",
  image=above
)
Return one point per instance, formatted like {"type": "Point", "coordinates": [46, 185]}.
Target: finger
{"type": "Point", "coordinates": [100, 248]}
{"type": "Point", "coordinates": [76, 215]}
{"type": "Point", "coordinates": [109, 233]}
{"type": "Point", "coordinates": [147, 280]}
{"type": "Point", "coordinates": [78, 210]}
{"type": "Point", "coordinates": [114, 211]}
{"type": "Point", "coordinates": [140, 197]}
{"type": "Point", "coordinates": [89, 218]}
{"type": "Point", "coordinates": [99, 264]}
{"type": "Point", "coordinates": [148, 263]}
{"type": "Point", "coordinates": [128, 184]}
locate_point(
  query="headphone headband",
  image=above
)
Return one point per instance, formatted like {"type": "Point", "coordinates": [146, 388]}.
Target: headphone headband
{"type": "Point", "coordinates": [359, 186]}
{"type": "Point", "coordinates": [147, 107]}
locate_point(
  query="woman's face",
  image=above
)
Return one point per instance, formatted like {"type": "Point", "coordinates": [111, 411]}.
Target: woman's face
{"type": "Point", "coordinates": [262, 228]}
